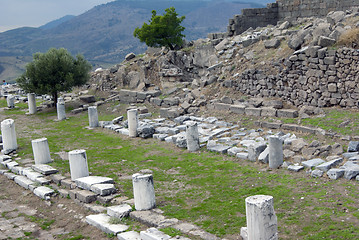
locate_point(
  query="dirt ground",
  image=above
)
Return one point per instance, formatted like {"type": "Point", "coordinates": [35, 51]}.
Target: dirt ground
{"type": "Point", "coordinates": [23, 214]}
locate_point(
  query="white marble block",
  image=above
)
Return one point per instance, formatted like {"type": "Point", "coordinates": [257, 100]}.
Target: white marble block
{"type": "Point", "coordinates": [40, 148]}
{"type": "Point", "coordinates": [60, 107]}
{"type": "Point", "coordinates": [8, 135]}
{"type": "Point", "coordinates": [275, 152]}
{"type": "Point", "coordinates": [31, 101]}
{"type": "Point", "coordinates": [261, 218]}
{"type": "Point", "coordinates": [143, 191]}
{"type": "Point", "coordinates": [132, 118]}
{"type": "Point", "coordinates": [93, 117]}
{"type": "Point", "coordinates": [10, 101]}
{"type": "Point", "coordinates": [78, 164]}
{"type": "Point", "coordinates": [192, 136]}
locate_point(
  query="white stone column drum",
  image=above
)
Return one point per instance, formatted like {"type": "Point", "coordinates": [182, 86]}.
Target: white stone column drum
{"type": "Point", "coordinates": [8, 135]}
{"type": "Point", "coordinates": [60, 107]}
{"type": "Point", "coordinates": [31, 101]}
{"type": "Point", "coordinates": [93, 117]}
{"type": "Point", "coordinates": [261, 218]}
{"type": "Point", "coordinates": [275, 152]}
{"type": "Point", "coordinates": [78, 164]}
{"type": "Point", "coordinates": [192, 136]}
{"type": "Point", "coordinates": [40, 148]}
{"type": "Point", "coordinates": [10, 101]}
{"type": "Point", "coordinates": [143, 191]}
{"type": "Point", "coordinates": [132, 122]}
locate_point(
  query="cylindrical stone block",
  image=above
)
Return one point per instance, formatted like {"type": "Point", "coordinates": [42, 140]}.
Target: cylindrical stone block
{"type": "Point", "coordinates": [261, 218]}
{"type": "Point", "coordinates": [78, 164]}
{"type": "Point", "coordinates": [192, 136]}
{"type": "Point", "coordinates": [8, 135]}
{"type": "Point", "coordinates": [31, 101]}
{"type": "Point", "coordinates": [60, 106]}
{"type": "Point", "coordinates": [10, 101]}
{"type": "Point", "coordinates": [143, 191]}
{"type": "Point", "coordinates": [275, 152]}
{"type": "Point", "coordinates": [40, 148]}
{"type": "Point", "coordinates": [93, 117]}
{"type": "Point", "coordinates": [132, 122]}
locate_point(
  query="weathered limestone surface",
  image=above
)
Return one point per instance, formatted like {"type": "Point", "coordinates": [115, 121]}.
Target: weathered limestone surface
{"type": "Point", "coordinates": [40, 148]}
{"type": "Point", "coordinates": [8, 136]}
{"type": "Point", "coordinates": [31, 103]}
{"type": "Point", "coordinates": [261, 218]}
{"type": "Point", "coordinates": [143, 191]}
{"type": "Point", "coordinates": [78, 164]}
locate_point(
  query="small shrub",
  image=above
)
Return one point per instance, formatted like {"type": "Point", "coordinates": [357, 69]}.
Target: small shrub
{"type": "Point", "coordinates": [349, 38]}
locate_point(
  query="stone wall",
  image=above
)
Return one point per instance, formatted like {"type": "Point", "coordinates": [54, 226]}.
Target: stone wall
{"type": "Point", "coordinates": [311, 76]}
{"type": "Point", "coordinates": [285, 10]}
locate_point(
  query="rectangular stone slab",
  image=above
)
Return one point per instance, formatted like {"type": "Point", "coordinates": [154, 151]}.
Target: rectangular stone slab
{"type": "Point", "coordinates": [119, 211]}
{"type": "Point", "coordinates": [101, 221]}
{"type": "Point", "coordinates": [87, 182]}
{"type": "Point", "coordinates": [43, 192]}
{"type": "Point", "coordinates": [131, 235]}
{"type": "Point", "coordinates": [23, 181]}
{"type": "Point", "coordinates": [154, 234]}
{"type": "Point", "coordinates": [103, 189]}
{"type": "Point", "coordinates": [44, 169]}
{"type": "Point", "coordinates": [313, 162]}
{"type": "Point", "coordinates": [153, 219]}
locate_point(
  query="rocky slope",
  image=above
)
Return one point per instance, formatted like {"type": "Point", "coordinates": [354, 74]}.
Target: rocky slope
{"type": "Point", "coordinates": [104, 34]}
{"type": "Point", "coordinates": [303, 63]}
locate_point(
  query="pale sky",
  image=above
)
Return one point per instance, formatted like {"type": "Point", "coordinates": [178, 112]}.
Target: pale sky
{"type": "Point", "coordinates": [34, 13]}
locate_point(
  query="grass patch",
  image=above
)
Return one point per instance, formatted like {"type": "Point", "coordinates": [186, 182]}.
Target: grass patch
{"type": "Point", "coordinates": [42, 222]}
{"type": "Point", "coordinates": [204, 188]}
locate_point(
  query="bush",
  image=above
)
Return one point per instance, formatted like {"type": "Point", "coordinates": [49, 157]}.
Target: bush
{"type": "Point", "coordinates": [349, 38]}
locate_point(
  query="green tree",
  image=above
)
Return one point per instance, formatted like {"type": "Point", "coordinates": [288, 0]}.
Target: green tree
{"type": "Point", "coordinates": [54, 71]}
{"type": "Point", "coordinates": [163, 30]}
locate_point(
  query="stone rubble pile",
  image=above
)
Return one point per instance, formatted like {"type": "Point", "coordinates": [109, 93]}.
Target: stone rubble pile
{"type": "Point", "coordinates": [253, 145]}
{"type": "Point", "coordinates": [312, 73]}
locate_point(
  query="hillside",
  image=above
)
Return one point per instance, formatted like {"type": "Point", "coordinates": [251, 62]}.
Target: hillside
{"type": "Point", "coordinates": [104, 34]}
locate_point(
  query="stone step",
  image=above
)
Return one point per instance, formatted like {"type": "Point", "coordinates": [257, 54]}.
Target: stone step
{"type": "Point", "coordinates": [43, 192]}
{"type": "Point", "coordinates": [131, 235]}
{"type": "Point", "coordinates": [102, 222]}
{"type": "Point", "coordinates": [119, 211]}
{"type": "Point", "coordinates": [44, 169]}
{"type": "Point", "coordinates": [87, 182]}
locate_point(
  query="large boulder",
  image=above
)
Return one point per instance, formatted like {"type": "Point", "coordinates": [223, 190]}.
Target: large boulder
{"type": "Point", "coordinates": [273, 43]}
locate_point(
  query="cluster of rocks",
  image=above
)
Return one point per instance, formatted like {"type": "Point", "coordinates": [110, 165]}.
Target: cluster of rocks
{"type": "Point", "coordinates": [227, 138]}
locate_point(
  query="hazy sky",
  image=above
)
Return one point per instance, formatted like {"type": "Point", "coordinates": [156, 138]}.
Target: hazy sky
{"type": "Point", "coordinates": [34, 13]}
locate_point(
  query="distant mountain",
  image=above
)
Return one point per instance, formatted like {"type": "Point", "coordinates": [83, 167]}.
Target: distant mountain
{"type": "Point", "coordinates": [104, 34]}
{"type": "Point", "coordinates": [56, 22]}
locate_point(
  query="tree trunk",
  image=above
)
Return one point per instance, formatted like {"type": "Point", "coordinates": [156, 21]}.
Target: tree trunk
{"type": "Point", "coordinates": [54, 97]}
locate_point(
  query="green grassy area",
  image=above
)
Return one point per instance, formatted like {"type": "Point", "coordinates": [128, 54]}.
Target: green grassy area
{"type": "Point", "coordinates": [204, 188]}
{"type": "Point", "coordinates": [332, 120]}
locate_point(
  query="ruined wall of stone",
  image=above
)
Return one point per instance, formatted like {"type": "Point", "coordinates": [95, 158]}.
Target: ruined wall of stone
{"type": "Point", "coordinates": [316, 77]}
{"type": "Point", "coordinates": [285, 10]}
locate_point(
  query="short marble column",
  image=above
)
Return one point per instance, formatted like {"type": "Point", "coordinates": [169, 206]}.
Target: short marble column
{"type": "Point", "coordinates": [93, 117]}
{"type": "Point", "coordinates": [143, 191]}
{"type": "Point", "coordinates": [60, 107]}
{"type": "Point", "coordinates": [132, 122]}
{"type": "Point", "coordinates": [8, 136]}
{"type": "Point", "coordinates": [78, 164]}
{"type": "Point", "coordinates": [40, 148]}
{"type": "Point", "coordinates": [261, 218]}
{"type": "Point", "coordinates": [10, 101]}
{"type": "Point", "coordinates": [31, 101]}
{"type": "Point", "coordinates": [275, 152]}
{"type": "Point", "coordinates": [192, 136]}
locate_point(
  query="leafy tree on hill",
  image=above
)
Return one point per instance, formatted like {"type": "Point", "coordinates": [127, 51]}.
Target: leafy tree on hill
{"type": "Point", "coordinates": [54, 71]}
{"type": "Point", "coordinates": [163, 30]}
